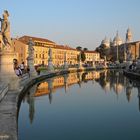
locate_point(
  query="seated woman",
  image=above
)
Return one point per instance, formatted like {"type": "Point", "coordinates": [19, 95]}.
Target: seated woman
{"type": "Point", "coordinates": [18, 71]}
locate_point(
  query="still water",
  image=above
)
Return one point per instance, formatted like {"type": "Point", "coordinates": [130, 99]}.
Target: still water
{"type": "Point", "coordinates": [98, 105]}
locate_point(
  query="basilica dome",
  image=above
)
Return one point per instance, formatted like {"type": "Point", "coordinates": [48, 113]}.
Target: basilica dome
{"type": "Point", "coordinates": [105, 42]}
{"type": "Point", "coordinates": [117, 40]}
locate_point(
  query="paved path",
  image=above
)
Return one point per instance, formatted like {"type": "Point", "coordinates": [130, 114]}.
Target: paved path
{"type": "Point", "coordinates": [8, 117]}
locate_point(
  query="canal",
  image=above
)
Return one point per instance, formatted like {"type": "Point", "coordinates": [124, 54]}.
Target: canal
{"type": "Point", "coordinates": [100, 105]}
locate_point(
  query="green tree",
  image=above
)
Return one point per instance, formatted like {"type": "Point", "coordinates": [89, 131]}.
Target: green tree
{"type": "Point", "coordinates": [79, 48]}
{"type": "Point", "coordinates": [85, 49]}
{"type": "Point", "coordinates": [83, 56]}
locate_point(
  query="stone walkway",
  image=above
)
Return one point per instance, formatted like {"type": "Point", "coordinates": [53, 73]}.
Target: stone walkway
{"type": "Point", "coordinates": [8, 117]}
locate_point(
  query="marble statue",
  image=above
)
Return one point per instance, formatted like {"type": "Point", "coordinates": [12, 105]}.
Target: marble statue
{"type": "Point", "coordinates": [50, 53]}
{"type": "Point", "coordinates": [50, 67]}
{"type": "Point", "coordinates": [65, 61]}
{"type": "Point", "coordinates": [30, 58]}
{"type": "Point", "coordinates": [65, 56]}
{"type": "Point", "coordinates": [79, 56]}
{"type": "Point", "coordinates": [129, 55]}
{"type": "Point", "coordinates": [31, 48]}
{"type": "Point", "coordinates": [5, 29]}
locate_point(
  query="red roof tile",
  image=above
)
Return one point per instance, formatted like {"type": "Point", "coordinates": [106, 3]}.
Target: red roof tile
{"type": "Point", "coordinates": [25, 39]}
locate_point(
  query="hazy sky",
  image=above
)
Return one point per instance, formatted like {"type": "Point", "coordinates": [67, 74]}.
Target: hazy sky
{"type": "Point", "coordinates": [73, 22]}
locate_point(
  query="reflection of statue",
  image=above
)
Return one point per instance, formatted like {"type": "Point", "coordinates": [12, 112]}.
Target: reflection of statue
{"type": "Point", "coordinates": [129, 87]}
{"type": "Point", "coordinates": [31, 48]}
{"type": "Point", "coordinates": [30, 101]}
{"type": "Point", "coordinates": [5, 29]}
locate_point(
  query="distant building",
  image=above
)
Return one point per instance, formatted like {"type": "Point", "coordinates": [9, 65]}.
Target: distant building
{"type": "Point", "coordinates": [20, 46]}
{"type": "Point", "coordinates": [92, 56]}
{"type": "Point", "coordinates": [110, 48]}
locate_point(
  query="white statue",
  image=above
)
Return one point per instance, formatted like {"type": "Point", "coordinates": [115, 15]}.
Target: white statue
{"type": "Point", "coordinates": [31, 48]}
{"type": "Point", "coordinates": [5, 29]}
{"type": "Point", "coordinates": [129, 54]}
{"type": "Point", "coordinates": [65, 56]}
{"type": "Point", "coordinates": [80, 56]}
{"type": "Point", "coordinates": [50, 54]}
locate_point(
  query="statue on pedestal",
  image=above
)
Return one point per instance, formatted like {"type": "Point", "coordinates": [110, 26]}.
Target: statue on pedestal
{"type": "Point", "coordinates": [7, 55]}
{"type": "Point", "coordinates": [50, 54]}
{"type": "Point", "coordinates": [65, 61]}
{"type": "Point", "coordinates": [5, 30]}
{"type": "Point", "coordinates": [30, 58]}
{"type": "Point", "coordinates": [80, 62]}
{"type": "Point", "coordinates": [50, 67]}
{"type": "Point", "coordinates": [129, 54]}
{"type": "Point", "coordinates": [31, 48]}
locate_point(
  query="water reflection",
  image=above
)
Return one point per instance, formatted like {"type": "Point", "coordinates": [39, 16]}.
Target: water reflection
{"type": "Point", "coordinates": [109, 80]}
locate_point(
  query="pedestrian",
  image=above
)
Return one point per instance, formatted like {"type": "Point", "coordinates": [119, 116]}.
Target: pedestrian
{"type": "Point", "coordinates": [22, 67]}
{"type": "Point", "coordinates": [18, 71]}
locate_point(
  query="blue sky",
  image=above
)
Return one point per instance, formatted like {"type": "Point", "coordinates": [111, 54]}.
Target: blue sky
{"type": "Point", "coordinates": [73, 22]}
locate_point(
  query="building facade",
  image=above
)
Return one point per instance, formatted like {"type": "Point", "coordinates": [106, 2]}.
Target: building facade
{"type": "Point", "coordinates": [41, 49]}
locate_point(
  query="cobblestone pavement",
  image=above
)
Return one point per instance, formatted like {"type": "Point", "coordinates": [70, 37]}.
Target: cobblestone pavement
{"type": "Point", "coordinates": [8, 119]}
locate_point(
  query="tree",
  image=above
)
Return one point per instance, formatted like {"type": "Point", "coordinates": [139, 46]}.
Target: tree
{"type": "Point", "coordinates": [83, 56]}
{"type": "Point", "coordinates": [85, 49]}
{"type": "Point", "coordinates": [79, 48]}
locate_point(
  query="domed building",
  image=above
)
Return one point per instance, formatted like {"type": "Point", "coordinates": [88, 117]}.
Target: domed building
{"type": "Point", "coordinates": [117, 40]}
{"type": "Point", "coordinates": [105, 43]}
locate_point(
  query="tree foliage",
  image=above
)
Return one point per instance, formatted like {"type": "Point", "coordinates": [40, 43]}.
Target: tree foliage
{"type": "Point", "coordinates": [83, 56]}
{"type": "Point", "coordinates": [79, 48]}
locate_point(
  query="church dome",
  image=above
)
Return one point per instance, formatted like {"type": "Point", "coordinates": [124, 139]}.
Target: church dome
{"type": "Point", "coordinates": [117, 40]}
{"type": "Point", "coordinates": [105, 42]}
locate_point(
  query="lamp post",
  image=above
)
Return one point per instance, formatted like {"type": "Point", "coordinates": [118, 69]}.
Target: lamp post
{"type": "Point", "coordinates": [124, 52]}
{"type": "Point", "coordinates": [117, 59]}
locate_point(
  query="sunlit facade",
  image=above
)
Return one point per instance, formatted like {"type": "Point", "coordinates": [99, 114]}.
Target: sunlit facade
{"type": "Point", "coordinates": [42, 46]}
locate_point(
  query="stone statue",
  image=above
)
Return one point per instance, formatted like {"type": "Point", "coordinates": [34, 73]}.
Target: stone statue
{"type": "Point", "coordinates": [80, 56]}
{"type": "Point", "coordinates": [31, 48]}
{"type": "Point", "coordinates": [5, 29]}
{"type": "Point", "coordinates": [129, 54]}
{"type": "Point", "coordinates": [50, 53]}
{"type": "Point", "coordinates": [65, 56]}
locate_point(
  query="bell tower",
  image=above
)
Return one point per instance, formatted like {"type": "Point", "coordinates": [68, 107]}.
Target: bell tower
{"type": "Point", "coordinates": [128, 35]}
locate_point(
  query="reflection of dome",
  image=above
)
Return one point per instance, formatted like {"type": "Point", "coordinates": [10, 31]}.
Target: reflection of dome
{"type": "Point", "coordinates": [117, 40]}
{"type": "Point", "coordinates": [105, 42]}
{"type": "Point", "coordinates": [118, 88]}
{"type": "Point", "coordinates": [128, 93]}
{"type": "Point", "coordinates": [107, 87]}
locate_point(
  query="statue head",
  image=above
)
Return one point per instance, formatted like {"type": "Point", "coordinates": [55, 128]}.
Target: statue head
{"type": "Point", "coordinates": [5, 14]}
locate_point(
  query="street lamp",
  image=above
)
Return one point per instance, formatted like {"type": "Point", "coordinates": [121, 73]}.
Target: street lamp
{"type": "Point", "coordinates": [117, 59]}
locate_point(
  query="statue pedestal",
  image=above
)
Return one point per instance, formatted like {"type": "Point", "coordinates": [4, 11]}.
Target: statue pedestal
{"type": "Point", "coordinates": [30, 63]}
{"type": "Point", "coordinates": [93, 65]}
{"type": "Point", "coordinates": [80, 65]}
{"type": "Point", "coordinates": [50, 66]}
{"type": "Point", "coordinates": [7, 73]}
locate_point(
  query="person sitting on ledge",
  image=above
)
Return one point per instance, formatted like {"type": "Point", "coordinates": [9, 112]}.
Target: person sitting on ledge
{"type": "Point", "coordinates": [18, 71]}
{"type": "Point", "coordinates": [133, 67]}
